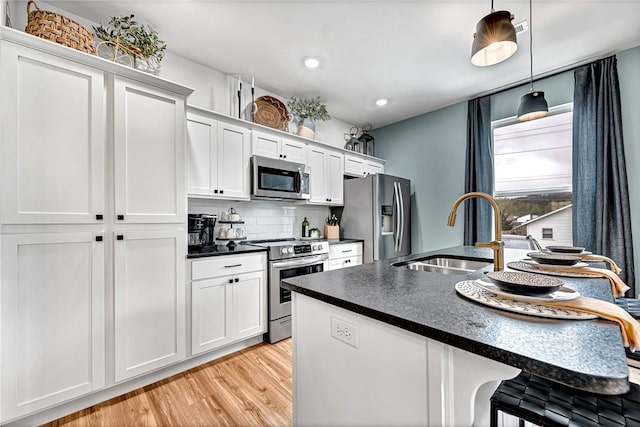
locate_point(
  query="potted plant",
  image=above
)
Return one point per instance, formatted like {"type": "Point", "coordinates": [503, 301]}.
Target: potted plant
{"type": "Point", "coordinates": [129, 42]}
{"type": "Point", "coordinates": [306, 111]}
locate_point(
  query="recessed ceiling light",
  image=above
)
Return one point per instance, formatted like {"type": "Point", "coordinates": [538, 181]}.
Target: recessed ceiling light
{"type": "Point", "coordinates": [382, 102]}
{"type": "Point", "coordinates": [311, 62]}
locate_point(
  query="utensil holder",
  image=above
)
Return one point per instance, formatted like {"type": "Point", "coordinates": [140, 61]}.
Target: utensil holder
{"type": "Point", "coordinates": [331, 232]}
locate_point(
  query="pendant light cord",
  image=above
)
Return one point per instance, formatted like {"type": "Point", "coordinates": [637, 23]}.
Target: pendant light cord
{"type": "Point", "coordinates": [531, 41]}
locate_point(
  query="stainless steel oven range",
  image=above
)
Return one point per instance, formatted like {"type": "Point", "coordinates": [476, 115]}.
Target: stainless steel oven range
{"type": "Point", "coordinates": [289, 258]}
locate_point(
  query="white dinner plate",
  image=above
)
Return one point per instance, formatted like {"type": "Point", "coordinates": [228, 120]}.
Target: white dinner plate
{"type": "Point", "coordinates": [563, 294]}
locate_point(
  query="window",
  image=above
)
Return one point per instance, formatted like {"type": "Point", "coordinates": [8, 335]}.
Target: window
{"type": "Point", "coordinates": [533, 175]}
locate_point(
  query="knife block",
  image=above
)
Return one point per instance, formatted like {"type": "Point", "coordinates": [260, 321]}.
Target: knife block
{"type": "Point", "coordinates": [331, 232]}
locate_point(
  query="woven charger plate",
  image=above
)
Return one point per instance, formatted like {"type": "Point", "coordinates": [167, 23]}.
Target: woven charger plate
{"type": "Point", "coordinates": [270, 111]}
{"type": "Point", "coordinates": [469, 289]}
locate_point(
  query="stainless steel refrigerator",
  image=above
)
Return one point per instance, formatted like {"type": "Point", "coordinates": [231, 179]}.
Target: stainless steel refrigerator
{"type": "Point", "coordinates": [377, 208]}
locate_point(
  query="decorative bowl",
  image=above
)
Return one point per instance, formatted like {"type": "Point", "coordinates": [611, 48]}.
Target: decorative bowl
{"type": "Point", "coordinates": [554, 258]}
{"type": "Point", "coordinates": [565, 249]}
{"type": "Point", "coordinates": [525, 283]}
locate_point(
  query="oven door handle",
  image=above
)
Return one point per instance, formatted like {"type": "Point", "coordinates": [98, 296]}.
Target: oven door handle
{"type": "Point", "coordinates": [300, 262]}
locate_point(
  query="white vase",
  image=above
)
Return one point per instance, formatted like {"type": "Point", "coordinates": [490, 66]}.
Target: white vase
{"type": "Point", "coordinates": [306, 127]}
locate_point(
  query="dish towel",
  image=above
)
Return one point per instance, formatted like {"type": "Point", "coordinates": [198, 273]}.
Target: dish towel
{"type": "Point", "coordinates": [618, 287]}
{"type": "Point", "coordinates": [602, 258]}
{"type": "Point", "coordinates": [629, 326]}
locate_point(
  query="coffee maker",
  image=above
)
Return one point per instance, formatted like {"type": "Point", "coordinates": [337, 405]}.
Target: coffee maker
{"type": "Point", "coordinates": [200, 230]}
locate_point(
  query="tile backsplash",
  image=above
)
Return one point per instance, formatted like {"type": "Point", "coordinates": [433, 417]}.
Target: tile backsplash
{"type": "Point", "coordinates": [265, 219]}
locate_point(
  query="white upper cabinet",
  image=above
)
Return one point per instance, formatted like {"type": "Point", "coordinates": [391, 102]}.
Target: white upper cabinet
{"type": "Point", "coordinates": [234, 162]}
{"type": "Point", "coordinates": [357, 166]}
{"type": "Point", "coordinates": [202, 155]}
{"type": "Point", "coordinates": [373, 167]}
{"type": "Point", "coordinates": [326, 176]}
{"type": "Point", "coordinates": [277, 147]}
{"type": "Point", "coordinates": [218, 158]}
{"type": "Point", "coordinates": [53, 137]}
{"type": "Point", "coordinates": [148, 131]}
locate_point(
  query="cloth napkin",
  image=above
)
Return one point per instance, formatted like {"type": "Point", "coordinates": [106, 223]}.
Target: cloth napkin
{"type": "Point", "coordinates": [618, 287]}
{"type": "Point", "coordinates": [602, 258]}
{"type": "Point", "coordinates": [629, 326]}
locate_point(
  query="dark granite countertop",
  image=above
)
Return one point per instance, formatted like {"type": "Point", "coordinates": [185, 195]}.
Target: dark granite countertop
{"type": "Point", "coordinates": [218, 250]}
{"type": "Point", "coordinates": [585, 354]}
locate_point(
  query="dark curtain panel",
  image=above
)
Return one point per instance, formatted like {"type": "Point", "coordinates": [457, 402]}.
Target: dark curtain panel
{"type": "Point", "coordinates": [478, 215]}
{"type": "Point", "coordinates": [601, 214]}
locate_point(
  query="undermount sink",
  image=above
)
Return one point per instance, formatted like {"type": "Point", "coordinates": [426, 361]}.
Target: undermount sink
{"type": "Point", "coordinates": [444, 265]}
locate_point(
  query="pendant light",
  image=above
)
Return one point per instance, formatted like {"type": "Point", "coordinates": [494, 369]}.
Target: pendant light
{"type": "Point", "coordinates": [532, 105]}
{"type": "Point", "coordinates": [494, 39]}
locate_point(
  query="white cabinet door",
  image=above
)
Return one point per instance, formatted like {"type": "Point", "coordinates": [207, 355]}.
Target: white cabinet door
{"type": "Point", "coordinates": [266, 145]}
{"type": "Point", "coordinates": [373, 168]}
{"type": "Point", "coordinates": [335, 178]}
{"type": "Point", "coordinates": [326, 176]}
{"type": "Point", "coordinates": [317, 176]}
{"type": "Point", "coordinates": [210, 315]}
{"type": "Point", "coordinates": [202, 156]}
{"type": "Point", "coordinates": [353, 166]}
{"type": "Point", "coordinates": [294, 151]}
{"type": "Point", "coordinates": [149, 132]}
{"type": "Point", "coordinates": [149, 286]}
{"type": "Point", "coordinates": [53, 161]}
{"type": "Point", "coordinates": [248, 295]}
{"type": "Point", "coordinates": [52, 320]}
{"type": "Point", "coordinates": [277, 147]}
{"type": "Point", "coordinates": [233, 162]}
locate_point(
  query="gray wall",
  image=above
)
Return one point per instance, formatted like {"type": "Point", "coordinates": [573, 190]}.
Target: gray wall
{"type": "Point", "coordinates": [430, 150]}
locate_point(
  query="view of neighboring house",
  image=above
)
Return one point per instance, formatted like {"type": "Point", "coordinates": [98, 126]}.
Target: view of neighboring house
{"type": "Point", "coordinates": [553, 228]}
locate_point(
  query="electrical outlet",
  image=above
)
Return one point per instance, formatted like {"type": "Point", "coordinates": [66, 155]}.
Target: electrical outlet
{"type": "Point", "coordinates": [344, 331]}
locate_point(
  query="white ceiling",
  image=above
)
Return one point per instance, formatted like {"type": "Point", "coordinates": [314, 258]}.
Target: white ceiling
{"type": "Point", "coordinates": [415, 53]}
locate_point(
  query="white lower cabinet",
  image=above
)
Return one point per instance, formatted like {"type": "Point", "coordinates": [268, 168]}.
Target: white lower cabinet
{"type": "Point", "coordinates": [149, 300]}
{"type": "Point", "coordinates": [228, 304]}
{"type": "Point", "coordinates": [53, 324]}
{"type": "Point", "coordinates": [345, 255]}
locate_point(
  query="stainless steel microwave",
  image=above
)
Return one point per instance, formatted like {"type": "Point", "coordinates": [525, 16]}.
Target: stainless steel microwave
{"type": "Point", "coordinates": [278, 179]}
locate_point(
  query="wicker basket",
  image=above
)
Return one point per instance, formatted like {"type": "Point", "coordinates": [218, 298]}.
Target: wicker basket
{"type": "Point", "coordinates": [59, 29]}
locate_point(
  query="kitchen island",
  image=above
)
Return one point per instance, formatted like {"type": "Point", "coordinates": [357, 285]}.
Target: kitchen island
{"type": "Point", "coordinates": [380, 344]}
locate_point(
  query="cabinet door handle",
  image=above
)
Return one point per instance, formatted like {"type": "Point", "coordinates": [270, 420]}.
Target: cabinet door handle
{"type": "Point", "coordinates": [280, 155]}
{"type": "Point", "coordinates": [230, 280]}
{"type": "Point", "coordinates": [348, 250]}
{"type": "Point", "coordinates": [120, 217]}
{"type": "Point", "coordinates": [99, 217]}
{"type": "Point", "coordinates": [221, 191]}
{"type": "Point", "coordinates": [215, 191]}
{"type": "Point", "coordinates": [234, 265]}
{"type": "Point", "coordinates": [285, 156]}
{"type": "Point", "coordinates": [120, 237]}
{"type": "Point", "coordinates": [236, 280]}
{"type": "Point", "coordinates": [98, 238]}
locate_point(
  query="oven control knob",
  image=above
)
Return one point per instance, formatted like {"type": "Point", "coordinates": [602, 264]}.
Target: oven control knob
{"type": "Point", "coordinates": [283, 251]}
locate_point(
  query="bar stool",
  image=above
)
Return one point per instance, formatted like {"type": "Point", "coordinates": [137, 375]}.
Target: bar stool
{"type": "Point", "coordinates": [545, 403]}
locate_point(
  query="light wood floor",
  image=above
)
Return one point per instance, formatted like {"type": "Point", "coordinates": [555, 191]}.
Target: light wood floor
{"type": "Point", "coordinates": [248, 388]}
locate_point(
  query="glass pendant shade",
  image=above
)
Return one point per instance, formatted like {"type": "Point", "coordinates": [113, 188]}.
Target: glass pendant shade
{"type": "Point", "coordinates": [494, 40]}
{"type": "Point", "coordinates": [532, 106]}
